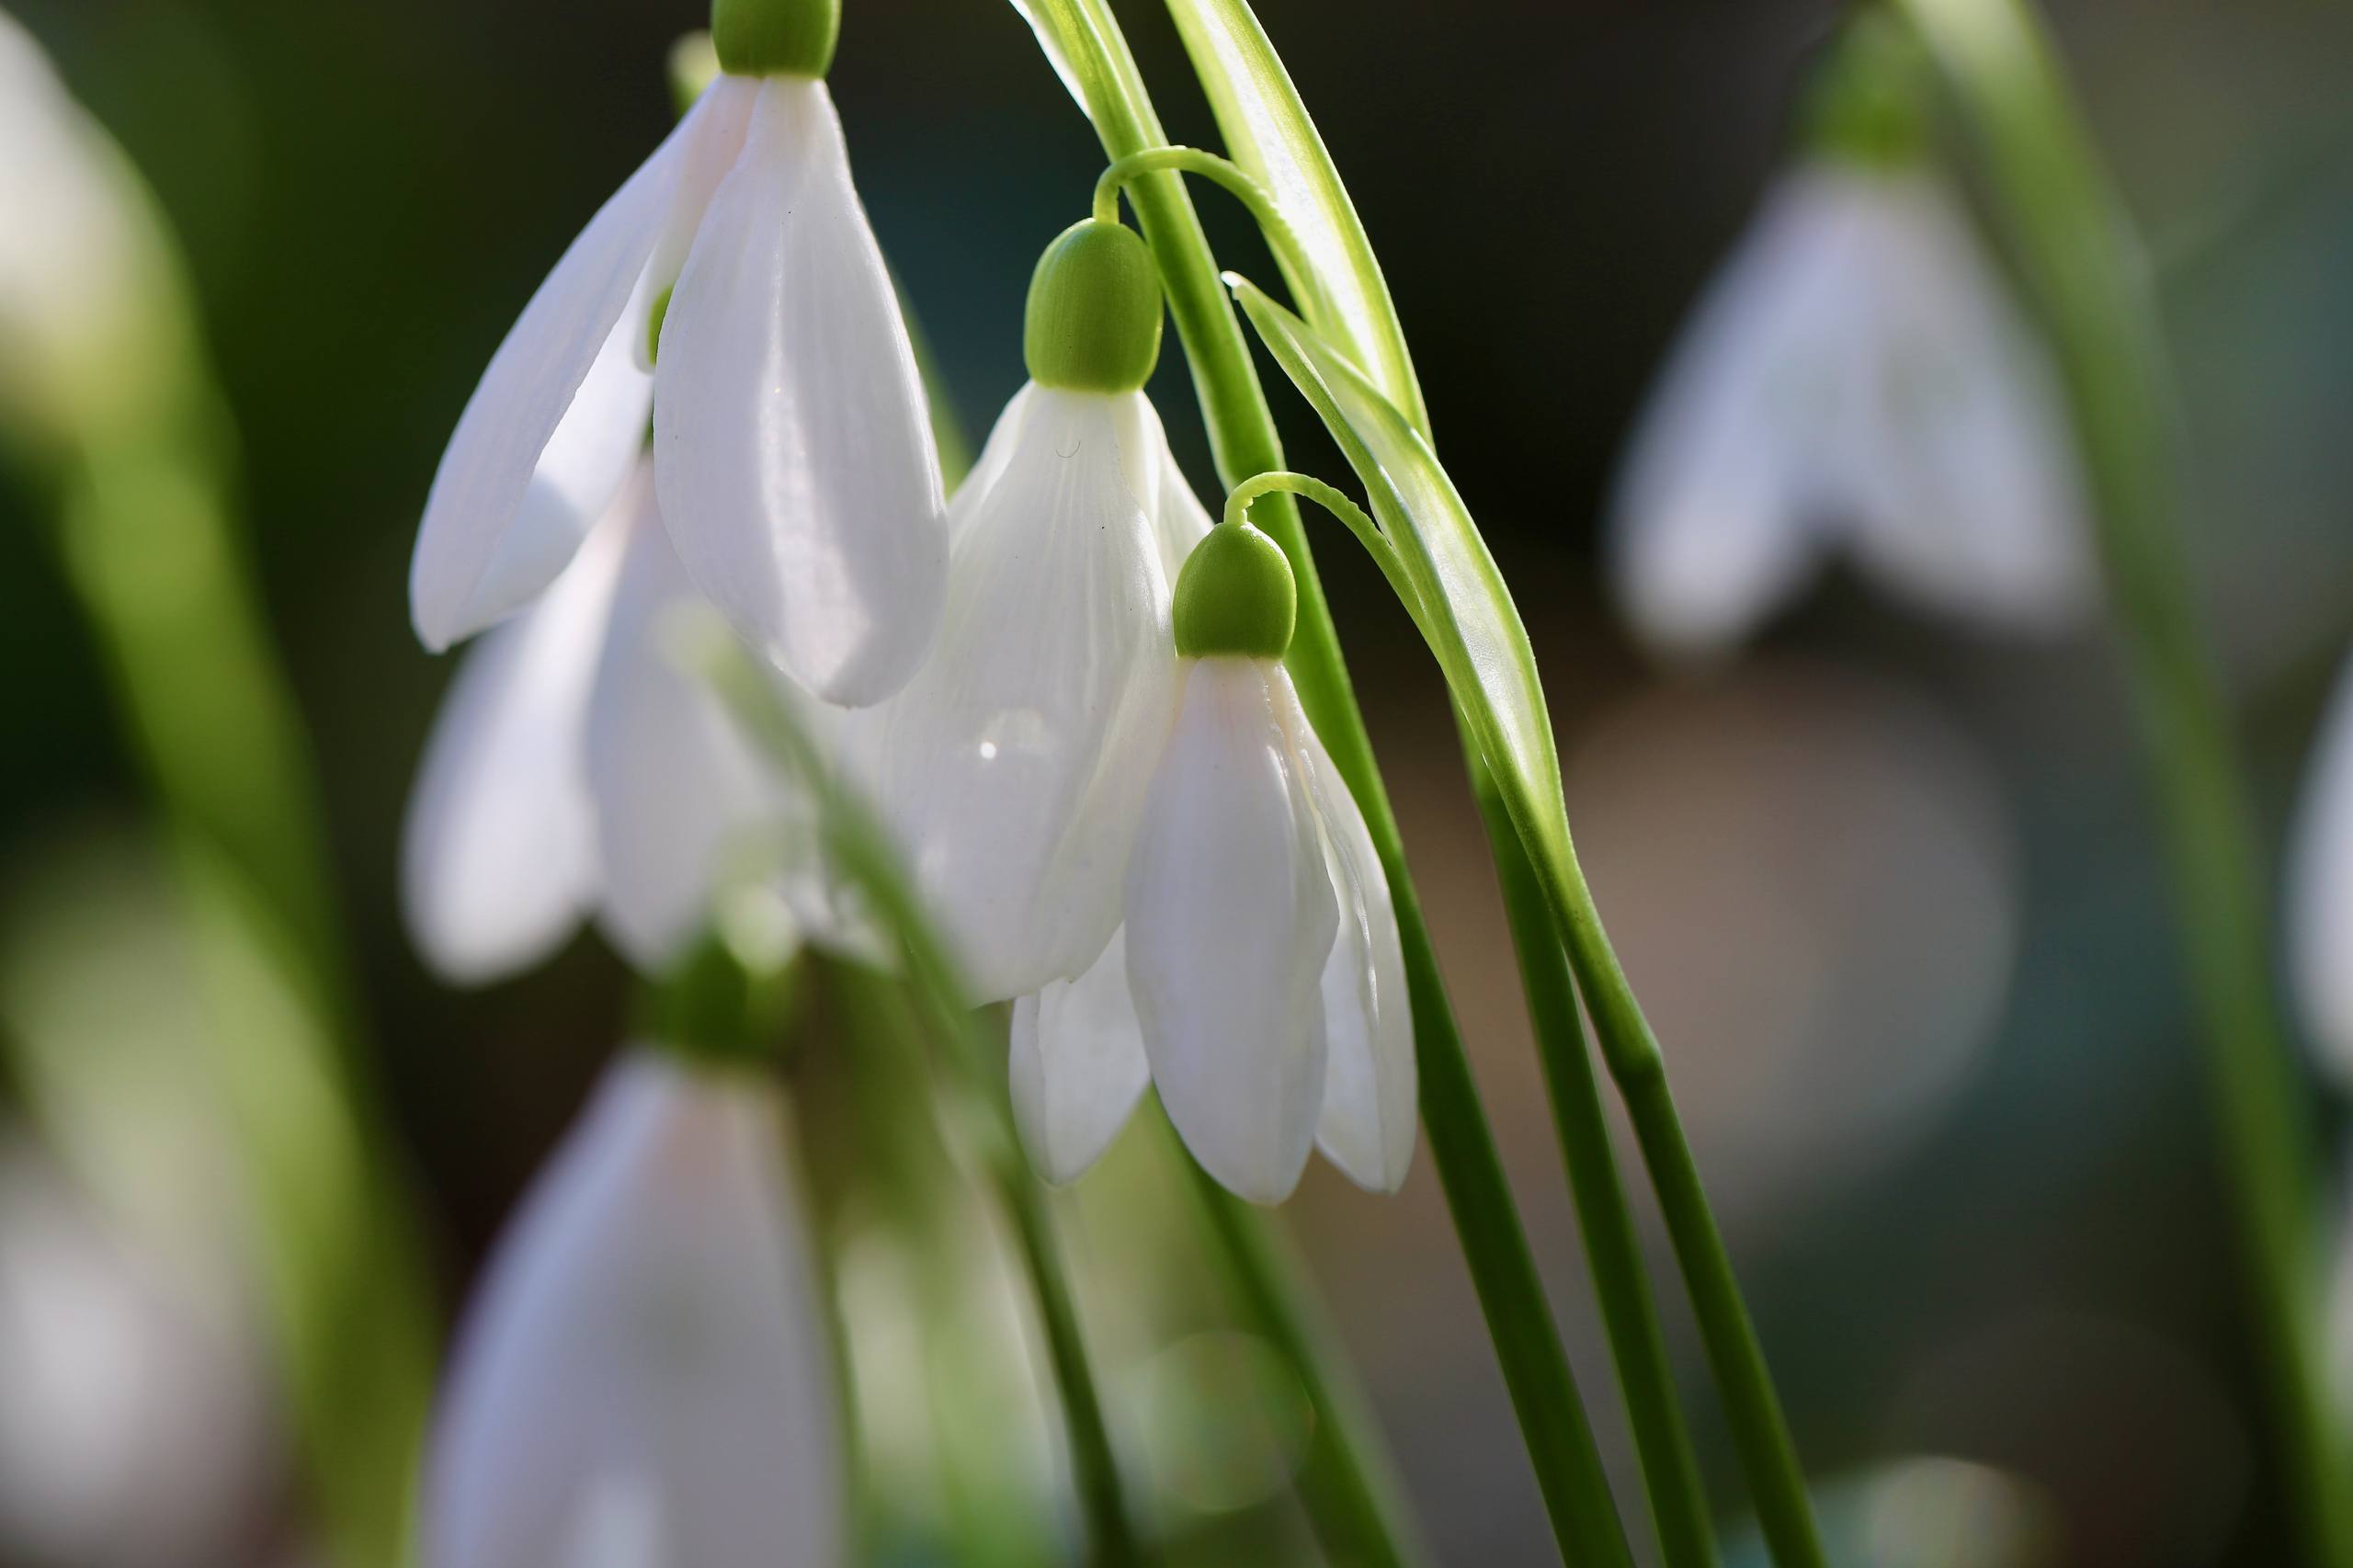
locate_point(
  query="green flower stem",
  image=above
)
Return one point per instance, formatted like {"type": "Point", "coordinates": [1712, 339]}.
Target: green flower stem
{"type": "Point", "coordinates": [2092, 290]}
{"type": "Point", "coordinates": [981, 1116]}
{"type": "Point", "coordinates": [1243, 440]}
{"type": "Point", "coordinates": [1222, 172]}
{"type": "Point", "coordinates": [1353, 1495]}
{"type": "Point", "coordinates": [1308, 487]}
{"type": "Point", "coordinates": [1760, 1430]}
{"type": "Point", "coordinates": [1613, 1252]}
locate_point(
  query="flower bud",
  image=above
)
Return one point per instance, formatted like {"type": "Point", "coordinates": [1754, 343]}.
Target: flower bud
{"type": "Point", "coordinates": [1235, 597]}
{"type": "Point", "coordinates": [775, 38]}
{"type": "Point", "coordinates": [1094, 314]}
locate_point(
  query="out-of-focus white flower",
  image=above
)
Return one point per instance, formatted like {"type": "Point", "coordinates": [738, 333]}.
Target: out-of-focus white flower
{"type": "Point", "coordinates": [2320, 888]}
{"type": "Point", "coordinates": [576, 768]}
{"type": "Point", "coordinates": [646, 1376]}
{"type": "Point", "coordinates": [135, 1427]}
{"type": "Point", "coordinates": [1858, 377]}
{"type": "Point", "coordinates": [795, 461]}
{"type": "Point", "coordinates": [1258, 979]}
{"type": "Point", "coordinates": [89, 293]}
{"type": "Point", "coordinates": [1012, 769]}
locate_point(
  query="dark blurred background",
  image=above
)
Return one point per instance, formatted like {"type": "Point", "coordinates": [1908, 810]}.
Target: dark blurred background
{"type": "Point", "coordinates": [1889, 887]}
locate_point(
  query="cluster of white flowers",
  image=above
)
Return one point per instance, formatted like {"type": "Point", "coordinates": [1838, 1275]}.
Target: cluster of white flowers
{"type": "Point", "coordinates": [1062, 694]}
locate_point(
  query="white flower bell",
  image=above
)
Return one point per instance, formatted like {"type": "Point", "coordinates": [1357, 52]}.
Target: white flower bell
{"type": "Point", "coordinates": [1258, 979]}
{"type": "Point", "coordinates": [1856, 377]}
{"type": "Point", "coordinates": [646, 1376]}
{"type": "Point", "coordinates": [575, 769]}
{"type": "Point", "coordinates": [1012, 768]}
{"type": "Point", "coordinates": [796, 468]}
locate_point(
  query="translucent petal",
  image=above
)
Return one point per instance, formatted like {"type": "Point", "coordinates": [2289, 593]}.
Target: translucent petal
{"type": "Point", "coordinates": [1981, 508]}
{"type": "Point", "coordinates": [1077, 1066]}
{"type": "Point", "coordinates": [1371, 1093]}
{"type": "Point", "coordinates": [683, 806]}
{"type": "Point", "coordinates": [1230, 917]}
{"type": "Point", "coordinates": [551, 432]}
{"type": "Point", "coordinates": [1179, 520]}
{"type": "Point", "coordinates": [1715, 518]}
{"type": "Point", "coordinates": [2320, 888]}
{"type": "Point", "coordinates": [1012, 769]}
{"type": "Point", "coordinates": [793, 443]}
{"type": "Point", "coordinates": [498, 857]}
{"type": "Point", "coordinates": [646, 1366]}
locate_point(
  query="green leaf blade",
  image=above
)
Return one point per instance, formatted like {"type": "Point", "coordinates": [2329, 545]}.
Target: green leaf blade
{"type": "Point", "coordinates": [1474, 628]}
{"type": "Point", "coordinates": [1268, 132]}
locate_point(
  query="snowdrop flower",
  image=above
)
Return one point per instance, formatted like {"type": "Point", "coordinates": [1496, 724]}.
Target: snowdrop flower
{"type": "Point", "coordinates": [645, 1378]}
{"type": "Point", "coordinates": [1258, 979]}
{"type": "Point", "coordinates": [795, 464]}
{"type": "Point", "coordinates": [575, 769]}
{"type": "Point", "coordinates": [2320, 889]}
{"type": "Point", "coordinates": [1858, 377]}
{"type": "Point", "coordinates": [1012, 769]}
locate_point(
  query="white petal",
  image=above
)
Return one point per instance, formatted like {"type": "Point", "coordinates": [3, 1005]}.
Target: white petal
{"type": "Point", "coordinates": [792, 442]}
{"type": "Point", "coordinates": [1077, 1066]}
{"type": "Point", "coordinates": [1230, 917]}
{"type": "Point", "coordinates": [646, 1377]}
{"type": "Point", "coordinates": [1013, 767]}
{"type": "Point", "coordinates": [683, 806]}
{"type": "Point", "coordinates": [2320, 888]}
{"type": "Point", "coordinates": [551, 432]}
{"type": "Point", "coordinates": [1983, 511]}
{"type": "Point", "coordinates": [1179, 520]}
{"type": "Point", "coordinates": [1369, 1085]}
{"type": "Point", "coordinates": [498, 857]}
{"type": "Point", "coordinates": [1714, 519]}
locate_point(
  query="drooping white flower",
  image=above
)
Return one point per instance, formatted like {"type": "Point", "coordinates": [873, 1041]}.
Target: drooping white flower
{"type": "Point", "coordinates": [1012, 768]}
{"type": "Point", "coordinates": [795, 461]}
{"type": "Point", "coordinates": [645, 1378]}
{"type": "Point", "coordinates": [1858, 377]}
{"type": "Point", "coordinates": [575, 769]}
{"type": "Point", "coordinates": [1258, 979]}
{"type": "Point", "coordinates": [2320, 888]}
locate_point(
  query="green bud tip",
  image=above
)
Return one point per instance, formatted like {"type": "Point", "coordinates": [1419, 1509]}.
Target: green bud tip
{"type": "Point", "coordinates": [1235, 597]}
{"type": "Point", "coordinates": [1094, 315]}
{"type": "Point", "coordinates": [775, 38]}
{"type": "Point", "coordinates": [1868, 100]}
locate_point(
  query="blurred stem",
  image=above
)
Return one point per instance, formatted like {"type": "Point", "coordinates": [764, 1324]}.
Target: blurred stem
{"type": "Point", "coordinates": [1242, 437]}
{"type": "Point", "coordinates": [152, 550]}
{"type": "Point", "coordinates": [1613, 1252]}
{"type": "Point", "coordinates": [976, 1108]}
{"type": "Point", "coordinates": [2089, 283]}
{"type": "Point", "coordinates": [1350, 1485]}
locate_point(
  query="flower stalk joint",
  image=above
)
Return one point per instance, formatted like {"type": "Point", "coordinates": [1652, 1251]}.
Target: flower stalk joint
{"type": "Point", "coordinates": [1235, 597]}
{"type": "Point", "coordinates": [775, 38]}
{"type": "Point", "coordinates": [1093, 313]}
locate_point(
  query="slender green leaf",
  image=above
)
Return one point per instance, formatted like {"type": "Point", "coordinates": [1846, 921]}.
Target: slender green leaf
{"type": "Point", "coordinates": [1268, 133]}
{"type": "Point", "coordinates": [1467, 612]}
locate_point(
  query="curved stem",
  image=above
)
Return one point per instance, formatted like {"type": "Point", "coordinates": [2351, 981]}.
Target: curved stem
{"type": "Point", "coordinates": [1224, 172]}
{"type": "Point", "coordinates": [1243, 440]}
{"type": "Point", "coordinates": [2092, 290]}
{"type": "Point", "coordinates": [1358, 522]}
{"type": "Point", "coordinates": [1613, 1252]}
